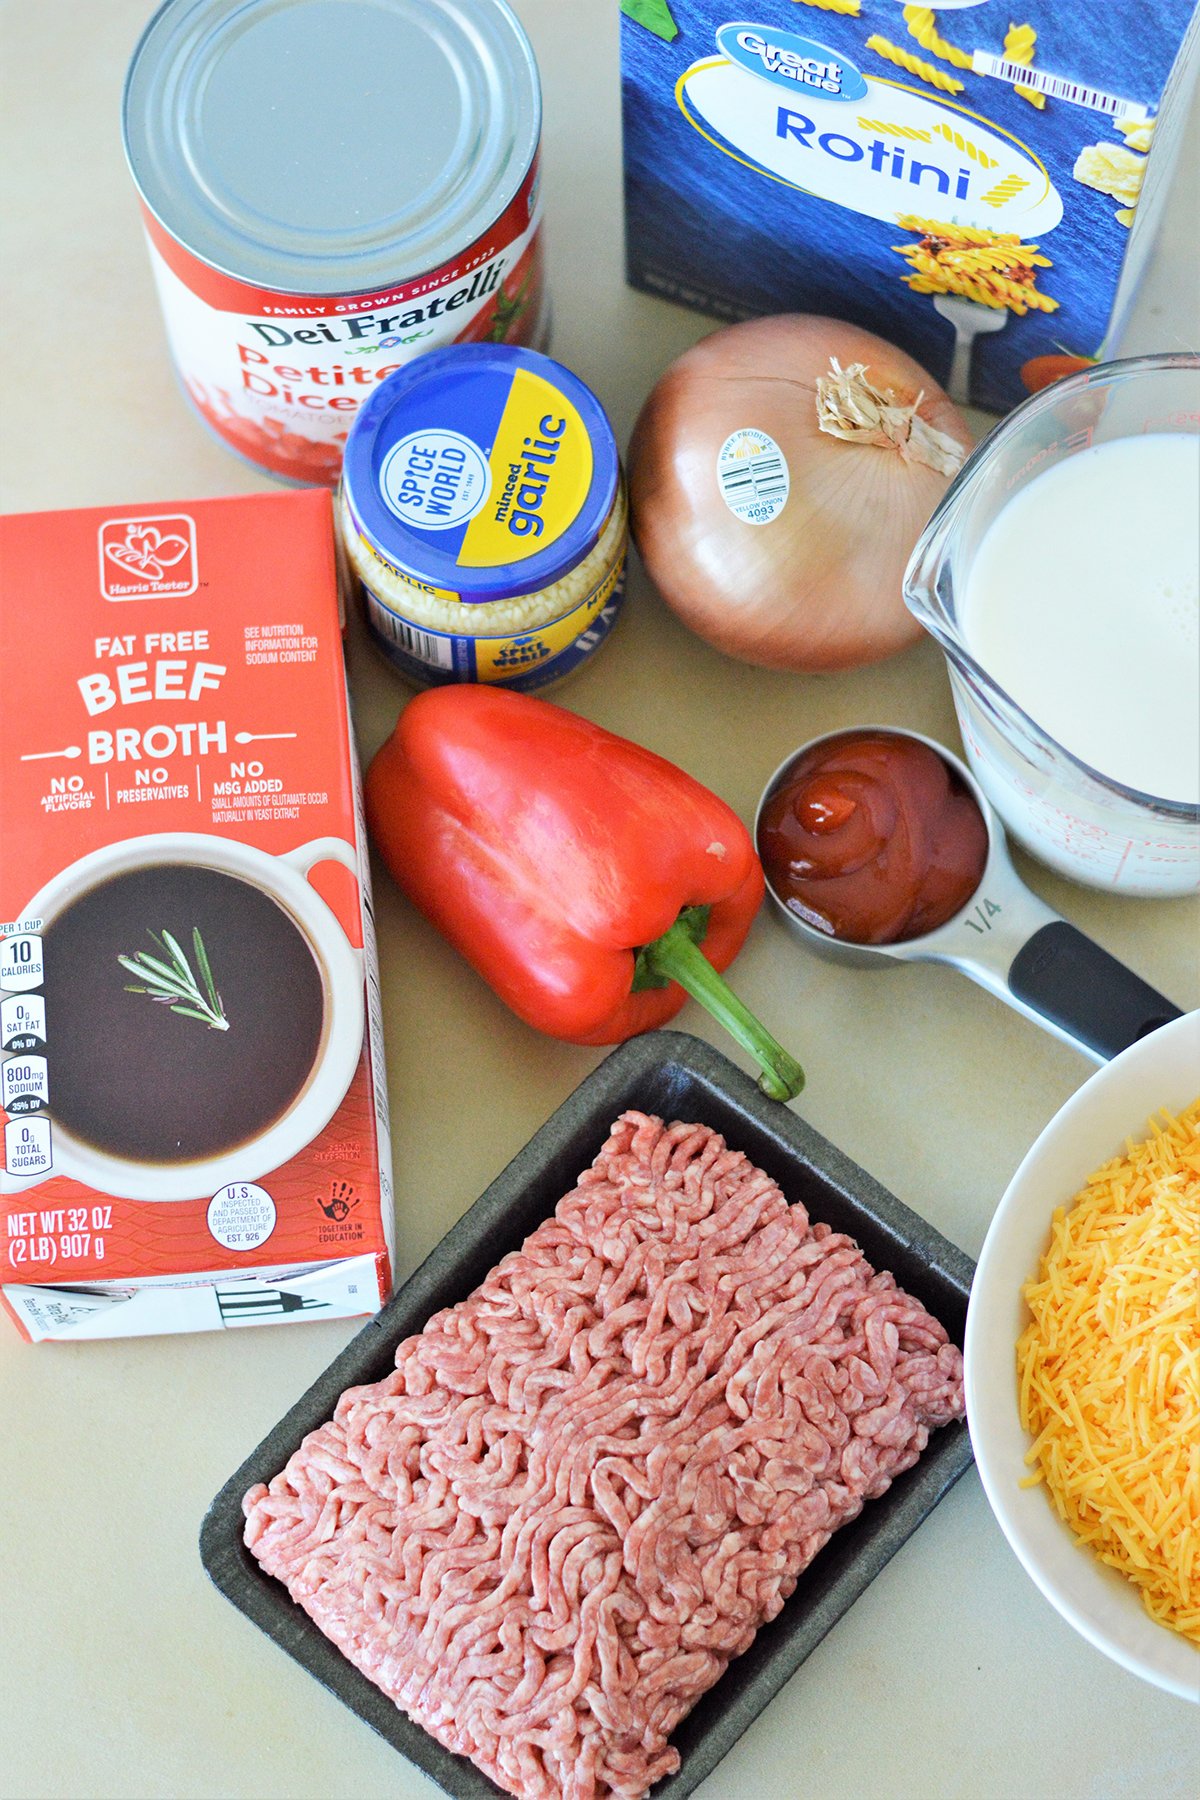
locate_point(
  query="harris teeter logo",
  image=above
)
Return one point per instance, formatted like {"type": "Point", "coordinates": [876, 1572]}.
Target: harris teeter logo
{"type": "Point", "coordinates": [797, 113]}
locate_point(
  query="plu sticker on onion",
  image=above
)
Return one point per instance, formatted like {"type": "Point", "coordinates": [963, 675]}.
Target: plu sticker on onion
{"type": "Point", "coordinates": [780, 474]}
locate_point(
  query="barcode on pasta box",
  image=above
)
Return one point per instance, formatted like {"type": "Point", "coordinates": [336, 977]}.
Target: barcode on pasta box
{"type": "Point", "coordinates": [1056, 87]}
{"type": "Point", "coordinates": [426, 646]}
{"type": "Point", "coordinates": [752, 474]}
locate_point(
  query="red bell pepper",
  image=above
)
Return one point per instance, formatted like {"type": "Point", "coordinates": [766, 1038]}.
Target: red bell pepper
{"type": "Point", "coordinates": [576, 871]}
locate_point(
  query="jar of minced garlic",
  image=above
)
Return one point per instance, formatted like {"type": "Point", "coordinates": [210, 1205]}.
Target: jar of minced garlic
{"type": "Point", "coordinates": [483, 510]}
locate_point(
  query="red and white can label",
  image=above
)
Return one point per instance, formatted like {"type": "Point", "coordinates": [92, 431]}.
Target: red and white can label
{"type": "Point", "coordinates": [281, 376]}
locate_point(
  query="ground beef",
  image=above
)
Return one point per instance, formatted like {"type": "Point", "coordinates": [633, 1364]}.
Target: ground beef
{"type": "Point", "coordinates": [586, 1486]}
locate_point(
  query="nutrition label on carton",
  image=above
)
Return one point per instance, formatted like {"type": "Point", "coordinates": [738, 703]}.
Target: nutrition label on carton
{"type": "Point", "coordinates": [22, 1022]}
{"type": "Point", "coordinates": [23, 1085]}
{"type": "Point", "coordinates": [24, 1080]}
{"type": "Point", "coordinates": [27, 1147]}
{"type": "Point", "coordinates": [21, 962]}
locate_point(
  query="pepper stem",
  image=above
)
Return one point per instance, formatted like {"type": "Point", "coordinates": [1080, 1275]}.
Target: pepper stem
{"type": "Point", "coordinates": [676, 956]}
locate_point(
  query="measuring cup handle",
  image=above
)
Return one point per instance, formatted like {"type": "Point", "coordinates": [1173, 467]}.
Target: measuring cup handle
{"type": "Point", "coordinates": [1083, 990]}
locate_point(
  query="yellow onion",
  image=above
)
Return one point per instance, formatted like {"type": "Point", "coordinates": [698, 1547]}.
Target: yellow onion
{"type": "Point", "coordinates": [871, 444]}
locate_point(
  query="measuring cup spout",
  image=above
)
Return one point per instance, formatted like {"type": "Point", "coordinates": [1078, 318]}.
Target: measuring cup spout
{"type": "Point", "coordinates": [928, 580]}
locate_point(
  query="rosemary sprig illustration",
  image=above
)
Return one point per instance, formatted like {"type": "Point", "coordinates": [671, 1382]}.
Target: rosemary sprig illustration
{"type": "Point", "coordinates": [168, 979]}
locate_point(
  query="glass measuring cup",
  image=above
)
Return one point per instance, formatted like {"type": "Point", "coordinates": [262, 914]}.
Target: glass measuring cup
{"type": "Point", "coordinates": [1079, 821]}
{"type": "Point", "coordinates": [1004, 937]}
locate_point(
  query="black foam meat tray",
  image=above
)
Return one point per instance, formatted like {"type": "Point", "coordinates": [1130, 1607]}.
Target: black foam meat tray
{"type": "Point", "coordinates": [677, 1077]}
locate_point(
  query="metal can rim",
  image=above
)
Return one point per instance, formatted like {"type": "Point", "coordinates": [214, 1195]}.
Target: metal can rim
{"type": "Point", "coordinates": [387, 259]}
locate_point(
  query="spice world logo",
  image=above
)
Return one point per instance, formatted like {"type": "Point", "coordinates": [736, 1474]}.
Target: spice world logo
{"type": "Point", "coordinates": [140, 557]}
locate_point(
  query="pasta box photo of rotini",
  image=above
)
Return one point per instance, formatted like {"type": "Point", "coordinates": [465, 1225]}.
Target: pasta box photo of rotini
{"type": "Point", "coordinates": [978, 185]}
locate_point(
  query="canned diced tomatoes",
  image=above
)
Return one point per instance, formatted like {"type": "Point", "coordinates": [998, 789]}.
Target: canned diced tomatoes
{"type": "Point", "coordinates": [329, 192]}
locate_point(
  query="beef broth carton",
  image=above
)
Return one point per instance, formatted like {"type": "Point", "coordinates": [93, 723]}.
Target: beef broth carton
{"type": "Point", "coordinates": [194, 1109]}
{"type": "Point", "coordinates": [975, 181]}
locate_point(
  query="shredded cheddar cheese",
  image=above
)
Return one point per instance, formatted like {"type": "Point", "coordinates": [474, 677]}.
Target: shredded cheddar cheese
{"type": "Point", "coordinates": [1109, 1368]}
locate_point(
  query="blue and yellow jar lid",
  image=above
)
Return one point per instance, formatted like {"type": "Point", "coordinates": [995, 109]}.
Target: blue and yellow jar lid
{"type": "Point", "coordinates": [484, 471]}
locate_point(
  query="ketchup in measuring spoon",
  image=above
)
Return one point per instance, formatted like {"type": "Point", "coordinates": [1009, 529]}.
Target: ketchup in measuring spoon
{"type": "Point", "coordinates": [872, 838]}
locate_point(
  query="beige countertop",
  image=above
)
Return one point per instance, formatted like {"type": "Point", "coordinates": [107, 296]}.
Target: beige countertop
{"type": "Point", "coordinates": [123, 1672]}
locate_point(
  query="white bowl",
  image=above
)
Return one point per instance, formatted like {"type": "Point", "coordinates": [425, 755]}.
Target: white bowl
{"type": "Point", "coordinates": [1163, 1070]}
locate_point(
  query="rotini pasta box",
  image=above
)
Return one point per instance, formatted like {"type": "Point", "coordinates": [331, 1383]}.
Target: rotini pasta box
{"type": "Point", "coordinates": [192, 1098]}
{"type": "Point", "coordinates": [975, 180]}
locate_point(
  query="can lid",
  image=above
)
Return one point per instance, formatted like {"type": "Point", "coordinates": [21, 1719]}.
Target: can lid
{"type": "Point", "coordinates": [484, 470]}
{"type": "Point", "coordinates": [330, 146]}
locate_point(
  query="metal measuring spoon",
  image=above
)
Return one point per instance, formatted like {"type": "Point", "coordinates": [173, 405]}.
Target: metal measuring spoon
{"type": "Point", "coordinates": [1004, 938]}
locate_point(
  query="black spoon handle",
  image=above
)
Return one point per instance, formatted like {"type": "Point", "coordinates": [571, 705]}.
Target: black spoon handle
{"type": "Point", "coordinates": [1070, 980]}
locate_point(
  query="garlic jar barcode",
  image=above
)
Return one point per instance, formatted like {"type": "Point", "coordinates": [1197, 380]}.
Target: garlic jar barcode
{"type": "Point", "coordinates": [432, 647]}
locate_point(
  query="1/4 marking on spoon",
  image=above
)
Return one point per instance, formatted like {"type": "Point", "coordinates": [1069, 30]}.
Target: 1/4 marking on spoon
{"type": "Point", "coordinates": [986, 911]}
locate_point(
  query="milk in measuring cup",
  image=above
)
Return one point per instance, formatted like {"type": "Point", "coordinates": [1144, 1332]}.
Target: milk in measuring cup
{"type": "Point", "coordinates": [1082, 602]}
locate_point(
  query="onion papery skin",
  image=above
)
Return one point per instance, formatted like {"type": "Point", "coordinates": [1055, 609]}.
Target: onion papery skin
{"type": "Point", "coordinates": [820, 586]}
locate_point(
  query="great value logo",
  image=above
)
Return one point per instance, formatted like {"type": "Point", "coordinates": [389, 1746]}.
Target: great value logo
{"type": "Point", "coordinates": [791, 61]}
